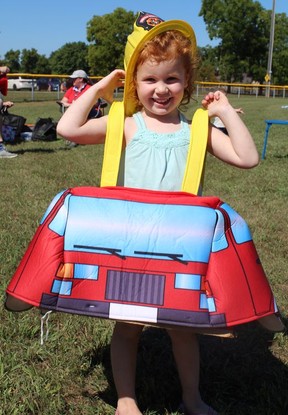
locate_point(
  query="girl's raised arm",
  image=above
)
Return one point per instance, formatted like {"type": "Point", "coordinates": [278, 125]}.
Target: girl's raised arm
{"type": "Point", "coordinates": [238, 148]}
{"type": "Point", "coordinates": [74, 125]}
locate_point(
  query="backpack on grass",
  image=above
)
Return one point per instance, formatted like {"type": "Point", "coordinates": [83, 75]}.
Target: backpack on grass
{"type": "Point", "coordinates": [44, 130]}
{"type": "Point", "coordinates": [12, 126]}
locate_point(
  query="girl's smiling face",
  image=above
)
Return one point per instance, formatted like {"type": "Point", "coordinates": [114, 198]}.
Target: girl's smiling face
{"type": "Point", "coordinates": [160, 85]}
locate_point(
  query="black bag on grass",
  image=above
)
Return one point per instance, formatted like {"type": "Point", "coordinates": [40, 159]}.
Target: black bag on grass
{"type": "Point", "coordinates": [44, 130]}
{"type": "Point", "coordinates": [12, 126]}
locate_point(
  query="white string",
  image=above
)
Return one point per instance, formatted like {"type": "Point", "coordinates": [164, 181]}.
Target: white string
{"type": "Point", "coordinates": [44, 320]}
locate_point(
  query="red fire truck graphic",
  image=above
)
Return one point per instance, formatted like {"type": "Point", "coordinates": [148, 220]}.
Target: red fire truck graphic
{"type": "Point", "coordinates": [144, 256]}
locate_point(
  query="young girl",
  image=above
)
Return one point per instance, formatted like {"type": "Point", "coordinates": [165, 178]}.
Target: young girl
{"type": "Point", "coordinates": [160, 70]}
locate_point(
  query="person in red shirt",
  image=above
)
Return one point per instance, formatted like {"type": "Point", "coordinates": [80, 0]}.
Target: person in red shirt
{"type": "Point", "coordinates": [81, 83]}
{"type": "Point", "coordinates": [3, 80]}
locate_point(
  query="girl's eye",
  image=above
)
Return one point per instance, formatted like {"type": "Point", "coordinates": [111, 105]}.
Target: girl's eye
{"type": "Point", "coordinates": [172, 79]}
{"type": "Point", "coordinates": [149, 80]}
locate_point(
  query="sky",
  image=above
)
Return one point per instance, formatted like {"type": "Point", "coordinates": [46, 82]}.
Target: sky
{"type": "Point", "coordinates": [48, 25]}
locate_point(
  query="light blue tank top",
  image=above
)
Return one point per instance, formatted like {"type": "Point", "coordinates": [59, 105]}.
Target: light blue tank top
{"type": "Point", "coordinates": [156, 161]}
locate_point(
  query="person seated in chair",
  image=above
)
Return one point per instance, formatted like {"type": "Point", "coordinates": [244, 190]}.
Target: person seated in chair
{"type": "Point", "coordinates": [81, 83]}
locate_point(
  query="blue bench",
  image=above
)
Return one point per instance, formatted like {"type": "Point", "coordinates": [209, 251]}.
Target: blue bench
{"type": "Point", "coordinates": [268, 125]}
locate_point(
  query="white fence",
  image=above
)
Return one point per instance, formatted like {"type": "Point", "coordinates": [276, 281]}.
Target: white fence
{"type": "Point", "coordinates": [244, 89]}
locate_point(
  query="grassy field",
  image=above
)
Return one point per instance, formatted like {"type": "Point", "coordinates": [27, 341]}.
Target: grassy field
{"type": "Point", "coordinates": [71, 372]}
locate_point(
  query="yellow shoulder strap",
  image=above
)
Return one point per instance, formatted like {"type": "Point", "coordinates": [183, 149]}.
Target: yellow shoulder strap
{"type": "Point", "coordinates": [113, 145]}
{"type": "Point", "coordinates": [114, 142]}
{"type": "Point", "coordinates": [193, 175]}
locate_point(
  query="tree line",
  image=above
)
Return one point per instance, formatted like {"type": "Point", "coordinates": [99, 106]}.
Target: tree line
{"type": "Point", "coordinates": [241, 28]}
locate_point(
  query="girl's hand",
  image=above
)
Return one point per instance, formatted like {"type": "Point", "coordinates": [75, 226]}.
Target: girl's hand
{"type": "Point", "coordinates": [237, 148]}
{"type": "Point", "coordinates": [215, 102]}
{"type": "Point", "coordinates": [108, 84]}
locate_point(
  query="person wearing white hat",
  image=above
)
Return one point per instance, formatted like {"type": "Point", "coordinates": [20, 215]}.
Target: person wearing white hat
{"type": "Point", "coordinates": [160, 68]}
{"type": "Point", "coordinates": [80, 84]}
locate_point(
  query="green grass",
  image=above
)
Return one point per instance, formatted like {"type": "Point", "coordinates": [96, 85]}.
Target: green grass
{"type": "Point", "coordinates": [71, 373]}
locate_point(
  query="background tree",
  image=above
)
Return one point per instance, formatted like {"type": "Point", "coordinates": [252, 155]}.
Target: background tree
{"type": "Point", "coordinates": [280, 50]}
{"type": "Point", "coordinates": [208, 67]}
{"type": "Point", "coordinates": [42, 65]}
{"type": "Point", "coordinates": [32, 62]}
{"type": "Point", "coordinates": [108, 35]}
{"type": "Point", "coordinates": [243, 30]}
{"type": "Point", "coordinates": [70, 57]}
{"type": "Point", "coordinates": [12, 59]}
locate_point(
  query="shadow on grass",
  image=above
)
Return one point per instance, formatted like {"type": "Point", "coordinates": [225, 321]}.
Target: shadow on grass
{"type": "Point", "coordinates": [34, 150]}
{"type": "Point", "coordinates": [41, 150]}
{"type": "Point", "coordinates": [242, 376]}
